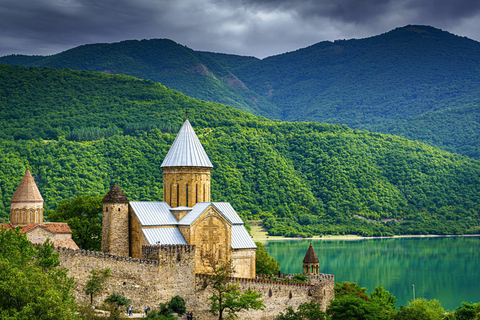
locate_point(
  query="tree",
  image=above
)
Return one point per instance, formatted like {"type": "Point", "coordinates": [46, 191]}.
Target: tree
{"type": "Point", "coordinates": [117, 299]}
{"type": "Point", "coordinates": [350, 288]}
{"type": "Point", "coordinates": [226, 296]}
{"type": "Point", "coordinates": [421, 309]}
{"type": "Point", "coordinates": [32, 286]}
{"type": "Point", "coordinates": [383, 298]}
{"type": "Point", "coordinates": [306, 311]}
{"type": "Point", "coordinates": [83, 216]}
{"type": "Point", "coordinates": [351, 307]}
{"type": "Point", "coordinates": [264, 263]}
{"type": "Point", "coordinates": [468, 311]}
{"type": "Point", "coordinates": [96, 281]}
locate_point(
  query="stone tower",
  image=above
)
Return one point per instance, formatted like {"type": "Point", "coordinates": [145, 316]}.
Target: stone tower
{"type": "Point", "coordinates": [310, 262]}
{"type": "Point", "coordinates": [186, 170]}
{"type": "Point", "coordinates": [26, 203]}
{"type": "Point", "coordinates": [115, 233]}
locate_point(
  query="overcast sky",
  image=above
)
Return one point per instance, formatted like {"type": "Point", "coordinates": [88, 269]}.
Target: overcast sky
{"type": "Point", "coordinates": [257, 28]}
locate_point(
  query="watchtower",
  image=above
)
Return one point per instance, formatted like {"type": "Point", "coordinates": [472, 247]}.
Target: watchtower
{"type": "Point", "coordinates": [115, 233]}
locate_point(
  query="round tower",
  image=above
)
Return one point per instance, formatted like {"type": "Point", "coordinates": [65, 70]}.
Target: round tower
{"type": "Point", "coordinates": [115, 233]}
{"type": "Point", "coordinates": [26, 203]}
{"type": "Point", "coordinates": [310, 262]}
{"type": "Point", "coordinates": [186, 170]}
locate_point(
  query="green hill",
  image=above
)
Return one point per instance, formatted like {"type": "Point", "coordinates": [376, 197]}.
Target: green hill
{"type": "Point", "coordinates": [301, 178]}
{"type": "Point", "coordinates": [418, 82]}
{"type": "Point", "coordinates": [194, 73]}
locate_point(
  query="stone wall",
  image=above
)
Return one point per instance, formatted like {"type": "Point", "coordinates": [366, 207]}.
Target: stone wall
{"type": "Point", "coordinates": [115, 237]}
{"type": "Point", "coordinates": [137, 238]}
{"type": "Point", "coordinates": [145, 282]}
{"type": "Point", "coordinates": [243, 261]}
{"type": "Point", "coordinates": [168, 270]}
{"type": "Point", "coordinates": [26, 212]}
{"type": "Point", "coordinates": [185, 186]}
{"type": "Point", "coordinates": [277, 295]}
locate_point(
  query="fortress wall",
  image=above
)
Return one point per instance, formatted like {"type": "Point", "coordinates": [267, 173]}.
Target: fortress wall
{"type": "Point", "coordinates": [176, 269]}
{"type": "Point", "coordinates": [168, 270]}
{"type": "Point", "coordinates": [145, 282]}
{"type": "Point", "coordinates": [277, 296]}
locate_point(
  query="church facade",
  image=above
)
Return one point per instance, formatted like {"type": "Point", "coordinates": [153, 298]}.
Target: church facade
{"type": "Point", "coordinates": [186, 216]}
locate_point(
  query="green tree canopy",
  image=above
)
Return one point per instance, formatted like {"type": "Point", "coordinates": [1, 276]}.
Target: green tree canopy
{"type": "Point", "coordinates": [32, 286]}
{"type": "Point", "coordinates": [96, 282]}
{"type": "Point", "coordinates": [264, 262]}
{"type": "Point", "coordinates": [83, 215]}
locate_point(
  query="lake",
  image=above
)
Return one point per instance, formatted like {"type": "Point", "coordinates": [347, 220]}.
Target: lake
{"type": "Point", "coordinates": [442, 268]}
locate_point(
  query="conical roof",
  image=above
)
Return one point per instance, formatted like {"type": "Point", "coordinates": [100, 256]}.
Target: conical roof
{"type": "Point", "coordinates": [27, 190]}
{"type": "Point", "coordinates": [115, 195]}
{"type": "Point", "coordinates": [186, 150]}
{"type": "Point", "coordinates": [311, 256]}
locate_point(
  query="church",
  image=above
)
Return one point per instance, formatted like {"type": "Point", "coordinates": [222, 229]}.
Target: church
{"type": "Point", "coordinates": [27, 213]}
{"type": "Point", "coordinates": [186, 216]}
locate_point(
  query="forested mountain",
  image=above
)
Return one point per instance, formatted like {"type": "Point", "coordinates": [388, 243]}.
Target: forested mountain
{"type": "Point", "coordinates": [194, 73]}
{"type": "Point", "coordinates": [81, 131]}
{"type": "Point", "coordinates": [417, 81]}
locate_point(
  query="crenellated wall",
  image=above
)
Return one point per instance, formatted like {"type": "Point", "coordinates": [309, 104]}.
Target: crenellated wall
{"type": "Point", "coordinates": [145, 282]}
{"type": "Point", "coordinates": [168, 270]}
{"type": "Point", "coordinates": [277, 295]}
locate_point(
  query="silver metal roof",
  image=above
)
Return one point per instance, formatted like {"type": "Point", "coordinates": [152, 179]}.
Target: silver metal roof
{"type": "Point", "coordinates": [153, 213]}
{"type": "Point", "coordinates": [197, 210]}
{"type": "Point", "coordinates": [228, 212]}
{"type": "Point", "coordinates": [241, 239]}
{"type": "Point", "coordinates": [186, 150]}
{"type": "Point", "coordinates": [164, 236]}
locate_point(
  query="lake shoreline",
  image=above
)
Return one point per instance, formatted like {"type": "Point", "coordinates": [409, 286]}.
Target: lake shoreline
{"type": "Point", "coordinates": [355, 237]}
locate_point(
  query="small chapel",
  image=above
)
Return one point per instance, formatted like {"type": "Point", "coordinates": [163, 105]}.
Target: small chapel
{"type": "Point", "coordinates": [186, 216]}
{"type": "Point", "coordinates": [26, 213]}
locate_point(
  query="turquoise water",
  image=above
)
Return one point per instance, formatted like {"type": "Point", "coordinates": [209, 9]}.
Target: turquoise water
{"type": "Point", "coordinates": [442, 268]}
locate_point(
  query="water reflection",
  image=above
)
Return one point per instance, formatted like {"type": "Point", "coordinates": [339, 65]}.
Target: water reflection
{"type": "Point", "coordinates": [443, 268]}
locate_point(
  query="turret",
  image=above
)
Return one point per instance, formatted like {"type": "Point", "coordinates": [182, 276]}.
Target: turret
{"type": "Point", "coordinates": [310, 262]}
{"type": "Point", "coordinates": [26, 203]}
{"type": "Point", "coordinates": [186, 170]}
{"type": "Point", "coordinates": [115, 233]}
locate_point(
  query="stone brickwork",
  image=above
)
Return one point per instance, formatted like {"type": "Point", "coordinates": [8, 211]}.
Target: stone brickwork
{"type": "Point", "coordinates": [39, 235]}
{"type": "Point", "coordinates": [244, 263]}
{"type": "Point", "coordinates": [211, 233]}
{"type": "Point", "coordinates": [145, 282]}
{"type": "Point", "coordinates": [137, 238]}
{"type": "Point", "coordinates": [115, 231]}
{"type": "Point", "coordinates": [277, 295]}
{"type": "Point", "coordinates": [24, 214]}
{"type": "Point", "coordinates": [168, 270]}
{"type": "Point", "coordinates": [185, 186]}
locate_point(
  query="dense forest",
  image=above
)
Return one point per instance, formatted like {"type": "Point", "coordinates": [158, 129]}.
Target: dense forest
{"type": "Point", "coordinates": [417, 82]}
{"type": "Point", "coordinates": [80, 132]}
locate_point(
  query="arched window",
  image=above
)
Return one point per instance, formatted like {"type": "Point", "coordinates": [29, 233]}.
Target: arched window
{"type": "Point", "coordinates": [186, 196]}
{"type": "Point", "coordinates": [178, 195]}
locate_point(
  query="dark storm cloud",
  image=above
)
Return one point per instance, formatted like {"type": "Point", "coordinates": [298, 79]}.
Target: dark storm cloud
{"type": "Point", "coordinates": [248, 27]}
